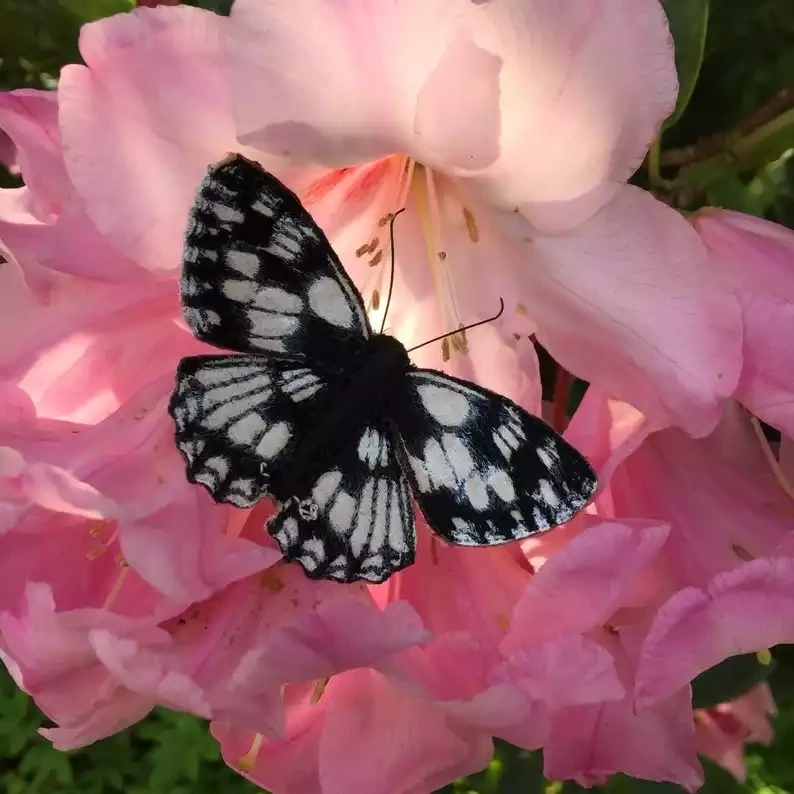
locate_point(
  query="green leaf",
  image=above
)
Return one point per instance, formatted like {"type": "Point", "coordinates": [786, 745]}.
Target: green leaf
{"type": "Point", "coordinates": [688, 25]}
{"type": "Point", "coordinates": [89, 10]}
{"type": "Point", "coordinates": [728, 680]}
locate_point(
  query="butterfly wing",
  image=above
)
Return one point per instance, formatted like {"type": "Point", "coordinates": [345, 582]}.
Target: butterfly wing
{"type": "Point", "coordinates": [259, 275]}
{"type": "Point", "coordinates": [238, 418]}
{"type": "Point", "coordinates": [484, 471]}
{"type": "Point", "coordinates": [358, 521]}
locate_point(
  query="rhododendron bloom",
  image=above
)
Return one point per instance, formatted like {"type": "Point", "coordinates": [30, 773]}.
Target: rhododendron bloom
{"type": "Point", "coordinates": [508, 130]}
{"type": "Point", "coordinates": [720, 584]}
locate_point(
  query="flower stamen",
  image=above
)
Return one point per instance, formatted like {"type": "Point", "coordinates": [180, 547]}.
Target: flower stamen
{"type": "Point", "coordinates": [116, 588]}
{"type": "Point", "coordinates": [427, 201]}
{"type": "Point", "coordinates": [248, 761]}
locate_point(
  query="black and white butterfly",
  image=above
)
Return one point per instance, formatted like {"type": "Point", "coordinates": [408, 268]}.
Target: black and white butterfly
{"type": "Point", "coordinates": [332, 420]}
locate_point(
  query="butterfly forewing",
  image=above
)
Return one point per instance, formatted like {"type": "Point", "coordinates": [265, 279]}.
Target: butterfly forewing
{"type": "Point", "coordinates": [357, 520]}
{"type": "Point", "coordinates": [260, 276]}
{"type": "Point", "coordinates": [485, 471]}
{"type": "Point", "coordinates": [238, 418]}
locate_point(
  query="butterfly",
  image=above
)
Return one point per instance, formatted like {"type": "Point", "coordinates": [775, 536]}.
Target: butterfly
{"type": "Point", "coordinates": [331, 420]}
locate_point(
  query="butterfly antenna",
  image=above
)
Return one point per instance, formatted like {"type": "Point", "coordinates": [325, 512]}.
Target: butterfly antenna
{"type": "Point", "coordinates": [392, 216]}
{"type": "Point", "coordinates": [463, 328]}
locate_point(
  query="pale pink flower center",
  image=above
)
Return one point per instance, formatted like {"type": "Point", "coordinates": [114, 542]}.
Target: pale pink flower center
{"type": "Point", "coordinates": [427, 193]}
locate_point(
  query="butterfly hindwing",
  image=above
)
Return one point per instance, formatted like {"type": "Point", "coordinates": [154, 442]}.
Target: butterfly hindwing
{"type": "Point", "coordinates": [259, 275]}
{"type": "Point", "coordinates": [357, 522]}
{"type": "Point", "coordinates": [484, 471]}
{"type": "Point", "coordinates": [237, 419]}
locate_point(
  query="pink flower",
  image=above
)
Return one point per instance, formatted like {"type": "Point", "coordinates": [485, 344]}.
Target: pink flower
{"type": "Point", "coordinates": [725, 582]}
{"type": "Point", "coordinates": [123, 587]}
{"type": "Point", "coordinates": [723, 731]}
{"type": "Point", "coordinates": [698, 599]}
{"type": "Point", "coordinates": [756, 258]}
{"type": "Point", "coordinates": [613, 282]}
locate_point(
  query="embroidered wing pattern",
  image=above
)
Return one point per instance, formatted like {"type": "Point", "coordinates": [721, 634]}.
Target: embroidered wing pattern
{"type": "Point", "coordinates": [260, 279]}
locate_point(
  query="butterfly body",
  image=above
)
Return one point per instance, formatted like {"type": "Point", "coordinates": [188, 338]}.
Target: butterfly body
{"type": "Point", "coordinates": [314, 410]}
{"type": "Point", "coordinates": [366, 395]}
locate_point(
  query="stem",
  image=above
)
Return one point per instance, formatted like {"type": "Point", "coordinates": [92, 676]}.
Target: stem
{"type": "Point", "coordinates": [708, 147]}
{"type": "Point", "coordinates": [654, 166]}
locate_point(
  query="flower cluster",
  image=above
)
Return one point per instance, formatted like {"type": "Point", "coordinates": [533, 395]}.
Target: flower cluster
{"type": "Point", "coordinates": [508, 130]}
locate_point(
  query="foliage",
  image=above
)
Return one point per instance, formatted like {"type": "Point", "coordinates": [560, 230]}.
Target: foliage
{"type": "Point", "coordinates": [733, 58]}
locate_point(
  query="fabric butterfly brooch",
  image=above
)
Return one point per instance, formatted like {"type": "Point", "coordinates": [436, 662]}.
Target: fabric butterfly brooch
{"type": "Point", "coordinates": [332, 420]}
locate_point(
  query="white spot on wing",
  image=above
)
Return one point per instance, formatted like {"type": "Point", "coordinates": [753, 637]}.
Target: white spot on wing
{"type": "Point", "coordinates": [228, 214]}
{"type": "Point", "coordinates": [245, 429]}
{"type": "Point", "coordinates": [243, 262]}
{"type": "Point", "coordinates": [274, 440]}
{"type": "Point", "coordinates": [342, 512]}
{"type": "Point", "coordinates": [269, 325]}
{"type": "Point", "coordinates": [448, 407]}
{"type": "Point", "coordinates": [548, 494]}
{"type": "Point", "coordinates": [275, 299]}
{"type": "Point", "coordinates": [325, 487]}
{"type": "Point", "coordinates": [327, 300]}
{"type": "Point", "coordinates": [502, 485]}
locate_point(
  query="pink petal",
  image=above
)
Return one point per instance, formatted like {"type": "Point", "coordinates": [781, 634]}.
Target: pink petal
{"type": "Point", "coordinates": [627, 302]}
{"type": "Point", "coordinates": [581, 586]}
{"type": "Point", "coordinates": [443, 98]}
{"type": "Point", "coordinates": [183, 552]}
{"type": "Point", "coordinates": [367, 101]}
{"type": "Point", "coordinates": [288, 766]}
{"type": "Point", "coordinates": [406, 74]}
{"type": "Point", "coordinates": [563, 672]}
{"type": "Point", "coordinates": [30, 118]}
{"type": "Point", "coordinates": [43, 224]}
{"type": "Point", "coordinates": [454, 674]}
{"type": "Point", "coordinates": [142, 121]}
{"type": "Point", "coordinates": [606, 431]}
{"type": "Point", "coordinates": [109, 716]}
{"type": "Point", "coordinates": [736, 511]}
{"type": "Point", "coordinates": [590, 743]}
{"type": "Point", "coordinates": [340, 634]}
{"type": "Point", "coordinates": [742, 611]}
{"type": "Point", "coordinates": [342, 743]}
{"type": "Point", "coordinates": [481, 585]}
{"type": "Point", "coordinates": [756, 256]}
{"type": "Point", "coordinates": [414, 750]}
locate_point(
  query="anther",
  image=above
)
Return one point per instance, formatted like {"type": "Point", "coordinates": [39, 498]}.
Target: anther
{"type": "Point", "coordinates": [362, 249]}
{"type": "Point", "coordinates": [373, 245]}
{"type": "Point", "coordinates": [741, 552]}
{"type": "Point", "coordinates": [503, 622]}
{"type": "Point", "coordinates": [445, 355]}
{"type": "Point", "coordinates": [95, 554]}
{"type": "Point", "coordinates": [375, 300]}
{"type": "Point", "coordinates": [442, 255]}
{"type": "Point", "coordinates": [376, 259]}
{"type": "Point", "coordinates": [319, 689]}
{"type": "Point", "coordinates": [471, 226]}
